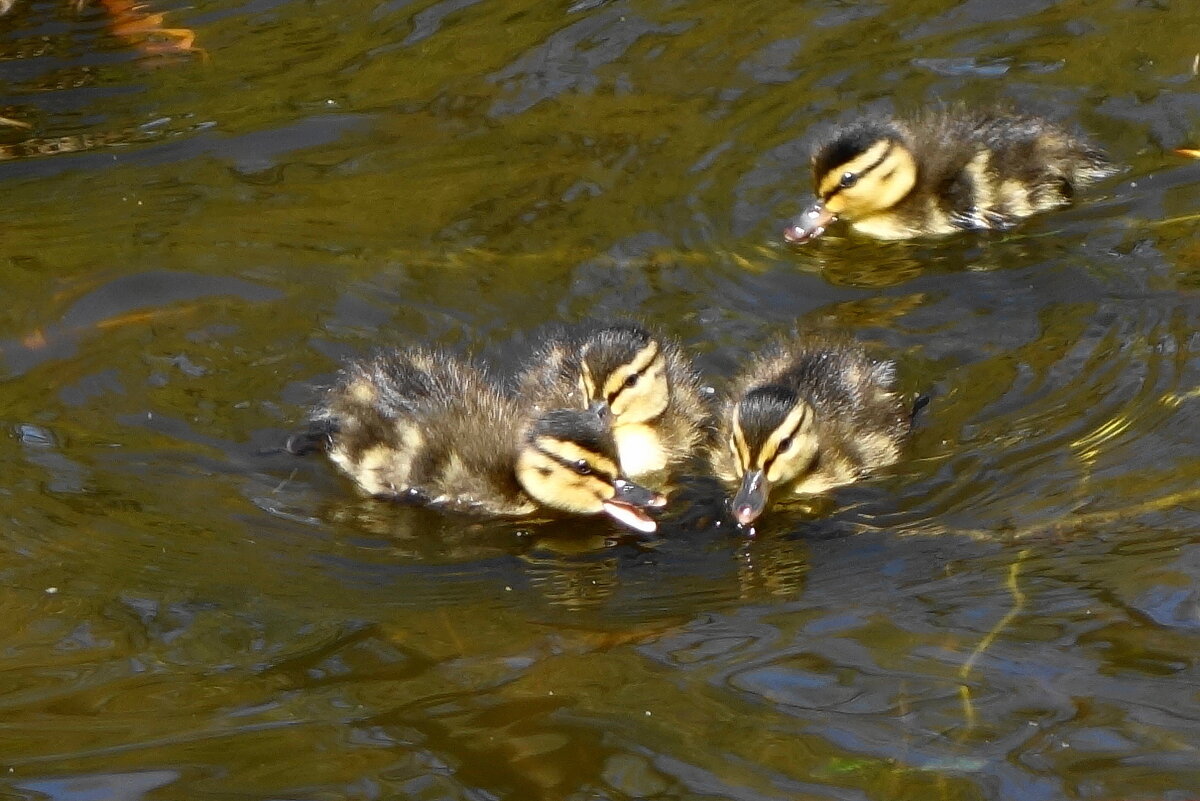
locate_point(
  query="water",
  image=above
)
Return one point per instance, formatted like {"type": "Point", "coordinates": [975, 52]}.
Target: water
{"type": "Point", "coordinates": [192, 241]}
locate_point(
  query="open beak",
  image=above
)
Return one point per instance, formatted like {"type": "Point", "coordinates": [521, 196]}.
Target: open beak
{"type": "Point", "coordinates": [626, 506]}
{"type": "Point", "coordinates": [751, 498]}
{"type": "Point", "coordinates": [810, 224]}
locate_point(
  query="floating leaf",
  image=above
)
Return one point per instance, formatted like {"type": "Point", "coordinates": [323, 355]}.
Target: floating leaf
{"type": "Point", "coordinates": [147, 31]}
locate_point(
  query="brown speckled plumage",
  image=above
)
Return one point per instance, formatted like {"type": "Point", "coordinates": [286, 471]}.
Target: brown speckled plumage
{"type": "Point", "coordinates": [426, 424]}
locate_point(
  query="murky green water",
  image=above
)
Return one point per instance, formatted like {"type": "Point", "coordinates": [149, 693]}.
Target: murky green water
{"type": "Point", "coordinates": [190, 244]}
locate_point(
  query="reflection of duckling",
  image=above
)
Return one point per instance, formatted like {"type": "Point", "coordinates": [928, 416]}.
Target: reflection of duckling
{"type": "Point", "coordinates": [424, 425]}
{"type": "Point", "coordinates": [943, 172]}
{"type": "Point", "coordinates": [643, 382]}
{"type": "Point", "coordinates": [810, 414]}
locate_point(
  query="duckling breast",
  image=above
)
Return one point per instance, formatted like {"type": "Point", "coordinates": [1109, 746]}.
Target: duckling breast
{"type": "Point", "coordinates": [641, 449]}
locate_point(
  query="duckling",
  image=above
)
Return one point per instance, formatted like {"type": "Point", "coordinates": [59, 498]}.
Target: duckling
{"type": "Point", "coordinates": [423, 425]}
{"type": "Point", "coordinates": [944, 171]}
{"type": "Point", "coordinates": [642, 383]}
{"type": "Point", "coordinates": [809, 414]}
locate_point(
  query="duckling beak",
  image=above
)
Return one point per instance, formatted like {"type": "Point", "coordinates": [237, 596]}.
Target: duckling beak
{"type": "Point", "coordinates": [751, 498]}
{"type": "Point", "coordinates": [600, 409]}
{"type": "Point", "coordinates": [626, 506]}
{"type": "Point", "coordinates": [637, 495]}
{"type": "Point", "coordinates": [810, 224]}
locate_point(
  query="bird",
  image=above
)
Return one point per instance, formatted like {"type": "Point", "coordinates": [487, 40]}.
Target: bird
{"type": "Point", "coordinates": [640, 381]}
{"type": "Point", "coordinates": [944, 171]}
{"type": "Point", "coordinates": [423, 425]}
{"type": "Point", "coordinates": [809, 413]}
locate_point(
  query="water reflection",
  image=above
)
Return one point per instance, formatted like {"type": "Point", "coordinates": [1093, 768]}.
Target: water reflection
{"type": "Point", "coordinates": [1007, 614]}
{"type": "Point", "coordinates": [115, 786]}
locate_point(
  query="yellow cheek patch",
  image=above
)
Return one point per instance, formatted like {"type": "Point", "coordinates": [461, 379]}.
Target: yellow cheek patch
{"type": "Point", "coordinates": [574, 497]}
{"type": "Point", "coordinates": [879, 187]}
{"type": "Point", "coordinates": [787, 465]}
{"type": "Point", "coordinates": [621, 403]}
{"type": "Point", "coordinates": [552, 484]}
{"type": "Point", "coordinates": [776, 473]}
{"type": "Point", "coordinates": [790, 427]}
{"type": "Point", "coordinates": [833, 472]}
{"type": "Point", "coordinates": [836, 204]}
{"type": "Point", "coordinates": [640, 361]}
{"type": "Point", "coordinates": [863, 161]}
{"type": "Point", "coordinates": [532, 461]}
{"type": "Point", "coordinates": [645, 401]}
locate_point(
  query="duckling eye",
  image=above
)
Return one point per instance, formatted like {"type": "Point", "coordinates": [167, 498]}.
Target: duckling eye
{"type": "Point", "coordinates": [785, 443]}
{"type": "Point", "coordinates": [849, 179]}
{"type": "Point", "coordinates": [632, 381]}
{"type": "Point", "coordinates": [583, 468]}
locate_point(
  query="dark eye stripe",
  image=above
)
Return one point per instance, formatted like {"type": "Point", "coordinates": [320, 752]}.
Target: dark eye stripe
{"type": "Point", "coordinates": [767, 465]}
{"type": "Point", "coordinates": [886, 152]}
{"type": "Point", "coordinates": [612, 397]}
{"type": "Point", "coordinates": [569, 464]}
{"type": "Point", "coordinates": [653, 354]}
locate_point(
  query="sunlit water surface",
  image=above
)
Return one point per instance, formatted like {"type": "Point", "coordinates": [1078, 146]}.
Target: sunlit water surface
{"type": "Point", "coordinates": [193, 240]}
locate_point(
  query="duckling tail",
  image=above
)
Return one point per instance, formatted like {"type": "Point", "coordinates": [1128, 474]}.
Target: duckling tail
{"type": "Point", "coordinates": [920, 403]}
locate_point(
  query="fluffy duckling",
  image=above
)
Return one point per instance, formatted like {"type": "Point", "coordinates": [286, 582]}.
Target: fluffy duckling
{"type": "Point", "coordinates": [642, 383]}
{"type": "Point", "coordinates": [943, 172]}
{"type": "Point", "coordinates": [809, 414]}
{"type": "Point", "coordinates": [424, 425]}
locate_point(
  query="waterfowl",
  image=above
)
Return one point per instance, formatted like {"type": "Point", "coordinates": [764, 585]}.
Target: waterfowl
{"type": "Point", "coordinates": [810, 413]}
{"type": "Point", "coordinates": [640, 381]}
{"type": "Point", "coordinates": [942, 172]}
{"type": "Point", "coordinates": [425, 426]}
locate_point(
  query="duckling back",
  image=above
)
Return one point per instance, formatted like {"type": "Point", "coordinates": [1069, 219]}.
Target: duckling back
{"type": "Point", "coordinates": [990, 169]}
{"type": "Point", "coordinates": [426, 425]}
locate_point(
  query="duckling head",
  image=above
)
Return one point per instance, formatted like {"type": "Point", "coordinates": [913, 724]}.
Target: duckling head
{"type": "Point", "coordinates": [774, 441]}
{"type": "Point", "coordinates": [623, 375]}
{"type": "Point", "coordinates": [568, 461]}
{"type": "Point", "coordinates": [863, 170]}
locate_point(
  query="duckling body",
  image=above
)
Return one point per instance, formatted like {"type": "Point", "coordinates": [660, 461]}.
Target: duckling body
{"type": "Point", "coordinates": [424, 425]}
{"type": "Point", "coordinates": [811, 413]}
{"type": "Point", "coordinates": [640, 380]}
{"type": "Point", "coordinates": [944, 171]}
